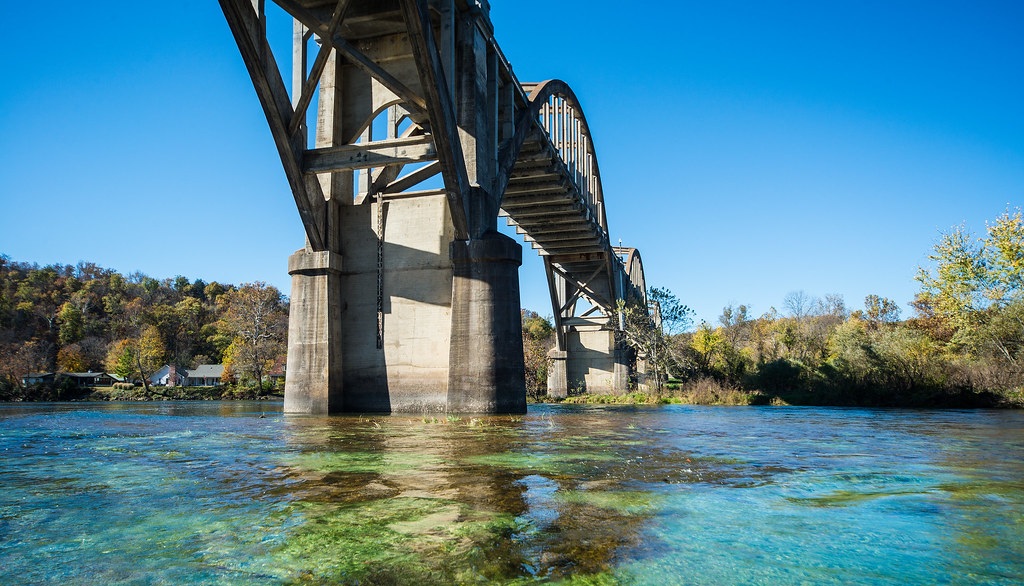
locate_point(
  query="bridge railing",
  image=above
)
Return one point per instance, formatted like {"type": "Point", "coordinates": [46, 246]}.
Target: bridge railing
{"type": "Point", "coordinates": [567, 130]}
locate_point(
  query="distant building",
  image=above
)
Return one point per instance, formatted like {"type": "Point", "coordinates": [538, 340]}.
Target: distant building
{"type": "Point", "coordinates": [276, 373]}
{"type": "Point", "coordinates": [91, 379]}
{"type": "Point", "coordinates": [38, 378]}
{"type": "Point", "coordinates": [204, 375]}
{"type": "Point", "coordinates": [166, 377]}
{"type": "Point", "coordinates": [81, 379]}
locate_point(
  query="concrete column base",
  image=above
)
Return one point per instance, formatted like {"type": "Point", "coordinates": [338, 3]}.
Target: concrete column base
{"type": "Point", "coordinates": [313, 382]}
{"type": "Point", "coordinates": [621, 375]}
{"type": "Point", "coordinates": [486, 372]}
{"type": "Point", "coordinates": [558, 382]}
{"type": "Point", "coordinates": [596, 361]}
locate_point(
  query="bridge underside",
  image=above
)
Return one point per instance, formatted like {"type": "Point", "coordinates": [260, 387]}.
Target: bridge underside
{"type": "Point", "coordinates": [405, 297]}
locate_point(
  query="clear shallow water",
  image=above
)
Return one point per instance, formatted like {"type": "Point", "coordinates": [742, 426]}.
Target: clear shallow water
{"type": "Point", "coordinates": [237, 493]}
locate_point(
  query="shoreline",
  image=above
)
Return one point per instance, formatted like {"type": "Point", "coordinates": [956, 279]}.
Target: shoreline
{"type": "Point", "coordinates": [734, 398]}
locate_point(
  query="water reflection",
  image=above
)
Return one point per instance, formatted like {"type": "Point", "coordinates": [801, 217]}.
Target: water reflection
{"type": "Point", "coordinates": [457, 500]}
{"type": "Point", "coordinates": [239, 493]}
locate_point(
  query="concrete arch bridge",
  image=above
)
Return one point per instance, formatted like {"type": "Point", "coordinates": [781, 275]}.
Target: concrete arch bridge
{"type": "Point", "coordinates": [405, 137]}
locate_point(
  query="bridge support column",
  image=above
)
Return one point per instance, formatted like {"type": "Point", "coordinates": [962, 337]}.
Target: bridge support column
{"type": "Point", "coordinates": [314, 373]}
{"type": "Point", "coordinates": [595, 362]}
{"type": "Point", "coordinates": [485, 371]}
{"type": "Point", "coordinates": [558, 382]}
{"type": "Point", "coordinates": [623, 369]}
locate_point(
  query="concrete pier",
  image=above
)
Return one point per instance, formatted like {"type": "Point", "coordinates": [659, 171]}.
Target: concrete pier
{"type": "Point", "coordinates": [408, 370]}
{"type": "Point", "coordinates": [486, 363]}
{"type": "Point", "coordinates": [558, 379]}
{"type": "Point", "coordinates": [594, 361]}
{"type": "Point", "coordinates": [314, 373]}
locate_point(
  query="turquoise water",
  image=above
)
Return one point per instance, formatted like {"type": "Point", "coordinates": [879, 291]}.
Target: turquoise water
{"type": "Point", "coordinates": [237, 493]}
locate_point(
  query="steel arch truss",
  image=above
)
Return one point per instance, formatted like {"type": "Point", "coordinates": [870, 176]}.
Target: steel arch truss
{"type": "Point", "coordinates": [554, 197]}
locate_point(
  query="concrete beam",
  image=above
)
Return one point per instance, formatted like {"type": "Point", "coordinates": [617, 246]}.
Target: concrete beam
{"type": "Point", "coordinates": [399, 151]}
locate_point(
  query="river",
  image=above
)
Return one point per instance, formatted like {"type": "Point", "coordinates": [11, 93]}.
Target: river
{"type": "Point", "coordinates": [237, 493]}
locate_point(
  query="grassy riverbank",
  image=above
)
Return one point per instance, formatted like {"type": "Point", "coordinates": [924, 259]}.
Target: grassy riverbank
{"type": "Point", "coordinates": [141, 394]}
{"type": "Point", "coordinates": [700, 392]}
{"type": "Point", "coordinates": [711, 392]}
{"type": "Point", "coordinates": [181, 394]}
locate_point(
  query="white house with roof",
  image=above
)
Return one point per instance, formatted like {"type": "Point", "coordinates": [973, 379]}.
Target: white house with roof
{"type": "Point", "coordinates": [163, 377]}
{"type": "Point", "coordinates": [204, 375]}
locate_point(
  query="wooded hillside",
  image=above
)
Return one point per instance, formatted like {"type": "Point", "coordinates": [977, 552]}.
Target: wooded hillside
{"type": "Point", "coordinates": [63, 318]}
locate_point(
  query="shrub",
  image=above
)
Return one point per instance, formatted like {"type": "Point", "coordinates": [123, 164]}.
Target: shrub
{"type": "Point", "coordinates": [780, 376]}
{"type": "Point", "coordinates": [710, 391]}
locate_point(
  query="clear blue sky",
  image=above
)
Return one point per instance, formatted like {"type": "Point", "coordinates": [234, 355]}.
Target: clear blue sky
{"type": "Point", "coordinates": [749, 149]}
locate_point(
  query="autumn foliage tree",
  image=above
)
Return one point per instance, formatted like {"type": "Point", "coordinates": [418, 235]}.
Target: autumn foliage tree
{"type": "Point", "coordinates": [72, 318]}
{"type": "Point", "coordinates": [256, 318]}
{"type": "Point", "coordinates": [975, 287]}
{"type": "Point", "coordinates": [138, 357]}
{"type": "Point", "coordinates": [538, 339]}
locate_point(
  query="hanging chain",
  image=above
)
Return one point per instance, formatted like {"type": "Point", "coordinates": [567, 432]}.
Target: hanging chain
{"type": "Point", "coordinates": [380, 271]}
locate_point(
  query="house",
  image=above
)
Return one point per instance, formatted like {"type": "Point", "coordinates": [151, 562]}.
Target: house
{"type": "Point", "coordinates": [204, 375]}
{"type": "Point", "coordinates": [167, 376]}
{"type": "Point", "coordinates": [80, 379]}
{"type": "Point", "coordinates": [38, 378]}
{"type": "Point", "coordinates": [277, 372]}
{"type": "Point", "coordinates": [91, 379]}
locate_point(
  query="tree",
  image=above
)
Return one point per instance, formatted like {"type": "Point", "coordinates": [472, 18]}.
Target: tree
{"type": "Point", "coordinates": [707, 342]}
{"type": "Point", "coordinates": [763, 342]}
{"type": "Point", "coordinates": [799, 304]}
{"type": "Point", "coordinates": [879, 310]}
{"type": "Point", "coordinates": [1003, 256]}
{"type": "Point", "coordinates": [140, 356]}
{"type": "Point", "coordinates": [976, 286]}
{"type": "Point", "coordinates": [150, 353]}
{"type": "Point", "coordinates": [834, 306]}
{"type": "Point", "coordinates": [179, 326]}
{"type": "Point", "coordinates": [954, 289]}
{"type": "Point", "coordinates": [38, 296]}
{"type": "Point", "coordinates": [71, 358]}
{"type": "Point", "coordinates": [23, 359]}
{"type": "Point", "coordinates": [71, 322]}
{"type": "Point", "coordinates": [121, 359]}
{"type": "Point", "coordinates": [256, 317]}
{"type": "Point", "coordinates": [851, 352]}
{"type": "Point", "coordinates": [736, 323]}
{"type": "Point", "coordinates": [675, 317]}
{"type": "Point", "coordinates": [538, 339]}
{"type": "Point", "coordinates": [655, 331]}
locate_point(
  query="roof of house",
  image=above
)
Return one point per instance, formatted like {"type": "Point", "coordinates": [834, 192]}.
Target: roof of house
{"type": "Point", "coordinates": [278, 367]}
{"type": "Point", "coordinates": [206, 371]}
{"type": "Point", "coordinates": [87, 374]}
